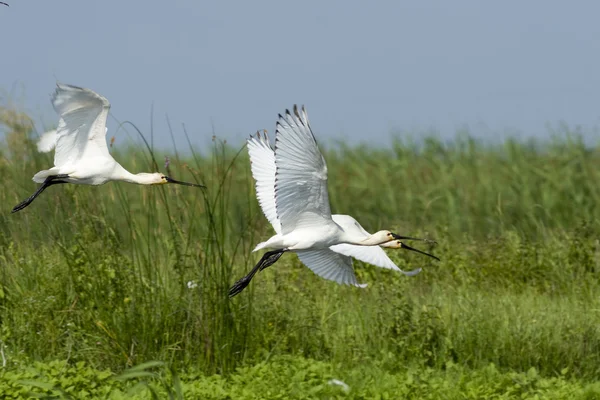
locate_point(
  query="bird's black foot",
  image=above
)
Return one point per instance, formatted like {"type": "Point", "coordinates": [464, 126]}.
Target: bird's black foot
{"type": "Point", "coordinates": [239, 286]}
{"type": "Point", "coordinates": [268, 259]}
{"type": "Point", "coordinates": [21, 206]}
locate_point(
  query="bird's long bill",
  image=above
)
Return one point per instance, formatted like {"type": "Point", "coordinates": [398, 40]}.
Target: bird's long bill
{"type": "Point", "coordinates": [398, 237]}
{"type": "Point", "coordinates": [418, 251]}
{"type": "Point", "coordinates": [171, 180]}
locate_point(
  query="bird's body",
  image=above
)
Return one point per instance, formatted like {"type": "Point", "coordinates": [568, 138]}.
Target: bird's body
{"type": "Point", "coordinates": [321, 237]}
{"type": "Point", "coordinates": [301, 214]}
{"type": "Point", "coordinates": [96, 171]}
{"type": "Point", "coordinates": [262, 161]}
{"type": "Point", "coordinates": [81, 155]}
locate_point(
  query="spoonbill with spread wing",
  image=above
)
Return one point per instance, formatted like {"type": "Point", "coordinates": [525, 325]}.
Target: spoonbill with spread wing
{"type": "Point", "coordinates": [300, 212]}
{"type": "Point", "coordinates": [262, 162]}
{"type": "Point", "coordinates": [81, 154]}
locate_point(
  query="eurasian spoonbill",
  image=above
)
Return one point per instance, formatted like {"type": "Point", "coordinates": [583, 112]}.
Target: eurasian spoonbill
{"type": "Point", "coordinates": [262, 163]}
{"type": "Point", "coordinates": [81, 155]}
{"type": "Point", "coordinates": [302, 209]}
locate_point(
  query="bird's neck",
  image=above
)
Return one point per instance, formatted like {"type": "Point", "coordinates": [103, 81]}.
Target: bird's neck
{"type": "Point", "coordinates": [371, 240]}
{"type": "Point", "coordinates": [126, 176]}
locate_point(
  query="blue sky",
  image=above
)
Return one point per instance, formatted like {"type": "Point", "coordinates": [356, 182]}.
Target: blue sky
{"type": "Point", "coordinates": [363, 69]}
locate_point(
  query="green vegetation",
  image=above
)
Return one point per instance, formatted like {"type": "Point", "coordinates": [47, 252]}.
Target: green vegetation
{"type": "Point", "coordinates": [98, 278]}
{"type": "Point", "coordinates": [292, 378]}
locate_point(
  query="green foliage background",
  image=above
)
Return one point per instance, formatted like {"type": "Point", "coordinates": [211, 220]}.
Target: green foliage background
{"type": "Point", "coordinates": [95, 280]}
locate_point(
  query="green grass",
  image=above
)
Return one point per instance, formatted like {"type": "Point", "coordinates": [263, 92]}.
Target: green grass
{"type": "Point", "coordinates": [99, 275]}
{"type": "Point", "coordinates": [291, 378]}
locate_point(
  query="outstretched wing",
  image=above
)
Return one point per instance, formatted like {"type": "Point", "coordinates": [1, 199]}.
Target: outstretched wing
{"type": "Point", "coordinates": [47, 141]}
{"type": "Point", "coordinates": [301, 197]}
{"type": "Point", "coordinates": [81, 129]}
{"type": "Point", "coordinates": [262, 163]}
{"type": "Point", "coordinates": [370, 254]}
{"type": "Point", "coordinates": [330, 265]}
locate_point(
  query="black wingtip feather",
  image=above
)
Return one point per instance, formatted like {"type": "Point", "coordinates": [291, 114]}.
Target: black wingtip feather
{"type": "Point", "coordinates": [60, 85]}
{"type": "Point", "coordinates": [296, 111]}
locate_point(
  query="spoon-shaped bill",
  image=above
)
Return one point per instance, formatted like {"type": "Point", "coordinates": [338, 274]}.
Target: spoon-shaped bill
{"type": "Point", "coordinates": [404, 246]}
{"type": "Point", "coordinates": [398, 237]}
{"type": "Point", "coordinates": [171, 180]}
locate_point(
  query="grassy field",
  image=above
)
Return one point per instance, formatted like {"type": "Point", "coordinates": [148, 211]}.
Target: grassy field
{"type": "Point", "coordinates": [95, 281]}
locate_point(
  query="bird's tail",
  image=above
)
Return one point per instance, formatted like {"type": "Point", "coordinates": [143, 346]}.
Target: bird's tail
{"type": "Point", "coordinates": [260, 246]}
{"type": "Point", "coordinates": [41, 176]}
{"type": "Point", "coordinates": [275, 242]}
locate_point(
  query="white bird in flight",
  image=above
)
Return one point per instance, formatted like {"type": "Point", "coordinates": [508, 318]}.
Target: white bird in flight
{"type": "Point", "coordinates": [262, 162]}
{"type": "Point", "coordinates": [299, 208]}
{"type": "Point", "coordinates": [81, 155]}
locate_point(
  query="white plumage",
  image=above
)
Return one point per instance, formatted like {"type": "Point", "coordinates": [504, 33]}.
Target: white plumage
{"type": "Point", "coordinates": [302, 220]}
{"type": "Point", "coordinates": [262, 161]}
{"type": "Point", "coordinates": [81, 154]}
{"type": "Point", "coordinates": [47, 141]}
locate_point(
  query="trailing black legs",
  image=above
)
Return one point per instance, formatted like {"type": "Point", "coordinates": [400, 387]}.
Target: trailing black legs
{"type": "Point", "coordinates": [268, 259]}
{"type": "Point", "coordinates": [51, 180]}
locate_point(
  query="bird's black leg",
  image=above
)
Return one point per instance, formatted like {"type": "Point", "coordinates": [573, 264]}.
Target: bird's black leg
{"type": "Point", "coordinates": [51, 180]}
{"type": "Point", "coordinates": [272, 258]}
{"type": "Point", "coordinates": [268, 259]}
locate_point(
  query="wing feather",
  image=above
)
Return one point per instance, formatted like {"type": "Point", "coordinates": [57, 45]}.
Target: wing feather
{"type": "Point", "coordinates": [262, 164]}
{"type": "Point", "coordinates": [374, 255]}
{"type": "Point", "coordinates": [330, 265]}
{"type": "Point", "coordinates": [81, 129]}
{"type": "Point", "coordinates": [47, 141]}
{"type": "Point", "coordinates": [301, 197]}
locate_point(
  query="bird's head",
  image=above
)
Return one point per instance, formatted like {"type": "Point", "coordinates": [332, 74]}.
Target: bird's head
{"type": "Point", "coordinates": [394, 242]}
